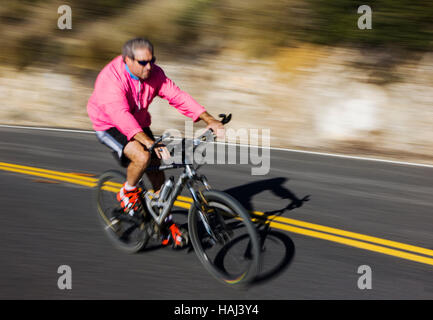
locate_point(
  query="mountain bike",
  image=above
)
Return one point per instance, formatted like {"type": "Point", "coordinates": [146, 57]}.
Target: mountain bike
{"type": "Point", "coordinates": [221, 231]}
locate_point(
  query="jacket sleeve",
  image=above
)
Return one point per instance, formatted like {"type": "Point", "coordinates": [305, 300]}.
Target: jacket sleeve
{"type": "Point", "coordinates": [179, 99]}
{"type": "Point", "coordinates": [116, 107]}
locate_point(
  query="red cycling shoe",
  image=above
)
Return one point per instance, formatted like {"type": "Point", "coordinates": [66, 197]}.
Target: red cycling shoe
{"type": "Point", "coordinates": [129, 200]}
{"type": "Point", "coordinates": [176, 236]}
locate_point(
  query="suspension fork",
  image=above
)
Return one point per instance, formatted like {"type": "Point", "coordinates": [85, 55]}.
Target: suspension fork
{"type": "Point", "coordinates": [198, 206]}
{"type": "Point", "coordinates": [221, 235]}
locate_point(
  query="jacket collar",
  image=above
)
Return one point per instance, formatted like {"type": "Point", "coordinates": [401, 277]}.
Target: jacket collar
{"type": "Point", "coordinates": [130, 73]}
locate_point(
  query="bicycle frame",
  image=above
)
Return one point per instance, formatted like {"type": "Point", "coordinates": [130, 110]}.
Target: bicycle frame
{"type": "Point", "coordinates": [188, 175]}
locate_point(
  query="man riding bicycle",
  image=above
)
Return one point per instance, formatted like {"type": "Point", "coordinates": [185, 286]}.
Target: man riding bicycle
{"type": "Point", "coordinates": [118, 109]}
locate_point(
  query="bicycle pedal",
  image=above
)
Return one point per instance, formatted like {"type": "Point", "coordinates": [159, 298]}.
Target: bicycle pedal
{"type": "Point", "coordinates": [113, 222]}
{"type": "Point", "coordinates": [185, 239]}
{"type": "Point", "coordinates": [114, 225]}
{"type": "Point", "coordinates": [184, 242]}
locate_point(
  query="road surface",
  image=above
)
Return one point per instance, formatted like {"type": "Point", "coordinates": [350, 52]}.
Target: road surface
{"type": "Point", "coordinates": [359, 213]}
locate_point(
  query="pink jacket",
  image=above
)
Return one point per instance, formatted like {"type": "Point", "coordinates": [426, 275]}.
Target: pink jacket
{"type": "Point", "coordinates": [114, 101]}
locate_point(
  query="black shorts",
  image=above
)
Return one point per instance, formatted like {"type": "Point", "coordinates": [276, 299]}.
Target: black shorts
{"type": "Point", "coordinates": [117, 141]}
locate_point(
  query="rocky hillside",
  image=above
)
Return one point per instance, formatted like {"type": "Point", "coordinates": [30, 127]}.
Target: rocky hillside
{"type": "Point", "coordinates": [311, 97]}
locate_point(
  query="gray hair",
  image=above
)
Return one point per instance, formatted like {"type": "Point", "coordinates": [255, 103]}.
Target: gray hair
{"type": "Point", "coordinates": [129, 47]}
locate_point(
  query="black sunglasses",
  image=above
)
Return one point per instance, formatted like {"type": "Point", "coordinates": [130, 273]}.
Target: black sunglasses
{"type": "Point", "coordinates": [145, 62]}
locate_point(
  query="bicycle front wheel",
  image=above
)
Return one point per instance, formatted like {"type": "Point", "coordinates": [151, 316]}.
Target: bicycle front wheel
{"type": "Point", "coordinates": [127, 233]}
{"type": "Point", "coordinates": [224, 238]}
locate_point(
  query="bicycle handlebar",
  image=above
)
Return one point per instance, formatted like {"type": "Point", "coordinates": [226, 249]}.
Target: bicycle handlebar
{"type": "Point", "coordinates": [158, 141]}
{"type": "Point", "coordinates": [225, 119]}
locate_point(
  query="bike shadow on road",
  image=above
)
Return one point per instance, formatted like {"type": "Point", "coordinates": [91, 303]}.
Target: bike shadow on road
{"type": "Point", "coordinates": [278, 249]}
{"type": "Point", "coordinates": [273, 242]}
{"type": "Point", "coordinates": [245, 194]}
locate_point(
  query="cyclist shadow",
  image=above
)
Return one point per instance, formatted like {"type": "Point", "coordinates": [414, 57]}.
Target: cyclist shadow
{"type": "Point", "coordinates": [245, 193]}
{"type": "Point", "coordinates": [272, 242]}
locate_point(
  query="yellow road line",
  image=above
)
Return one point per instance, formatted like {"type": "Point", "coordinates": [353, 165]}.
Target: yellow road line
{"type": "Point", "coordinates": [182, 204]}
{"type": "Point", "coordinates": [274, 221]}
{"type": "Point", "coordinates": [66, 177]}
{"type": "Point", "coordinates": [50, 176]}
{"type": "Point", "coordinates": [345, 241]}
{"type": "Point", "coordinates": [112, 189]}
{"type": "Point", "coordinates": [59, 173]}
{"type": "Point", "coordinates": [358, 236]}
{"type": "Point", "coordinates": [354, 243]}
{"type": "Point", "coordinates": [186, 199]}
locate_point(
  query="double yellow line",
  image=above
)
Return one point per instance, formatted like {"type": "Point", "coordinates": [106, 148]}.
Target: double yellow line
{"type": "Point", "coordinates": [357, 240]}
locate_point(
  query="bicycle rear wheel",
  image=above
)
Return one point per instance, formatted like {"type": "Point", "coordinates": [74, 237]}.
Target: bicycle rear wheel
{"type": "Point", "coordinates": [130, 234]}
{"type": "Point", "coordinates": [224, 238]}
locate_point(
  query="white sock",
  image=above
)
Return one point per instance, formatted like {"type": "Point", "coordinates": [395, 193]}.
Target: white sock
{"type": "Point", "coordinates": [128, 187]}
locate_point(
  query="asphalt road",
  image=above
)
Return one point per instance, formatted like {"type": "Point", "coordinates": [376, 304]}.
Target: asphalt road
{"type": "Point", "coordinates": [48, 223]}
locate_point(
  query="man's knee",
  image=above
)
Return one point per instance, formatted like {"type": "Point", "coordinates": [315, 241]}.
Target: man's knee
{"type": "Point", "coordinates": [137, 154]}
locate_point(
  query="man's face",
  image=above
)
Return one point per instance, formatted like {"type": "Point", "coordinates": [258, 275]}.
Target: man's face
{"type": "Point", "coordinates": [143, 72]}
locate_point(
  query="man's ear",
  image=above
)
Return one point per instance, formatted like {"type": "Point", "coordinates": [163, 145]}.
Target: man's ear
{"type": "Point", "coordinates": [127, 60]}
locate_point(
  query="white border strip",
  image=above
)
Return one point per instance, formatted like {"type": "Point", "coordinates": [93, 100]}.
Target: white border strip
{"type": "Point", "coordinates": [245, 145]}
{"type": "Point", "coordinates": [335, 155]}
{"type": "Point", "coordinates": [47, 129]}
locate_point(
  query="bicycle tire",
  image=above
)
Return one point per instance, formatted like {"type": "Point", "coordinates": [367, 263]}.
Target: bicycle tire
{"type": "Point", "coordinates": [222, 204]}
{"type": "Point", "coordinates": [109, 183]}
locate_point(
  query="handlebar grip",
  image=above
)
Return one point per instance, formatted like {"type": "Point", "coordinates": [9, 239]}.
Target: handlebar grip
{"type": "Point", "coordinates": [225, 118]}
{"type": "Point", "coordinates": [158, 141]}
